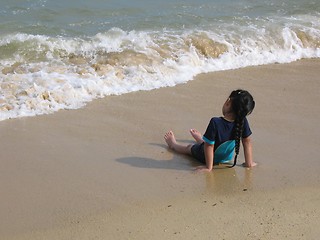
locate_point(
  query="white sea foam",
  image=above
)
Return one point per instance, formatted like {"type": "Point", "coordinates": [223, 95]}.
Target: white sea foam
{"type": "Point", "coordinates": [42, 74]}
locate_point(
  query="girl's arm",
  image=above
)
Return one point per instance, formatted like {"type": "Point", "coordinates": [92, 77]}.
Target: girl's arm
{"type": "Point", "coordinates": [247, 147]}
{"type": "Point", "coordinates": [208, 153]}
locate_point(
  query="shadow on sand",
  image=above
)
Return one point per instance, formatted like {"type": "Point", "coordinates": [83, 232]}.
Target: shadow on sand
{"type": "Point", "coordinates": [177, 163]}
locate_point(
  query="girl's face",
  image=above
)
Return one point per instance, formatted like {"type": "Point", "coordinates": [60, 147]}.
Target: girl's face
{"type": "Point", "coordinates": [227, 107]}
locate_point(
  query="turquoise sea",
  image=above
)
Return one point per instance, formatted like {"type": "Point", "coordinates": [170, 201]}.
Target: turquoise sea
{"type": "Point", "coordinates": [62, 54]}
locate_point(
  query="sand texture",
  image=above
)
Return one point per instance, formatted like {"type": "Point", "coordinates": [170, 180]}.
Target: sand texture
{"type": "Point", "coordinates": [104, 171]}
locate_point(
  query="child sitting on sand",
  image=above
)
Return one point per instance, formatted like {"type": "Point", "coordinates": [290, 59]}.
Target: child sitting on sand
{"type": "Point", "coordinates": [222, 136]}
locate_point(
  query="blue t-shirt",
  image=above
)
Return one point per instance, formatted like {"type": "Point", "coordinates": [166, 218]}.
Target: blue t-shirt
{"type": "Point", "coordinates": [220, 133]}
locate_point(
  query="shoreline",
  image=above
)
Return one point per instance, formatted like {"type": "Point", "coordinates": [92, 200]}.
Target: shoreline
{"type": "Point", "coordinates": [74, 171]}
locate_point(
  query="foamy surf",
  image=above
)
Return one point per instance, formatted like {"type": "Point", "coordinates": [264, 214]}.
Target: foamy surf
{"type": "Point", "coordinates": [41, 74]}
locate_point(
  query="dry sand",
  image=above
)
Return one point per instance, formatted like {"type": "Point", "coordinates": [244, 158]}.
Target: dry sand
{"type": "Point", "coordinates": [104, 172]}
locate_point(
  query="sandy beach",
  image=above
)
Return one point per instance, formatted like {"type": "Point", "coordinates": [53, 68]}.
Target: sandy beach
{"type": "Point", "coordinates": [104, 171]}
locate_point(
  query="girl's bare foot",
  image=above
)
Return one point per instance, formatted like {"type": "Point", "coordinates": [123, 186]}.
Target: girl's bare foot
{"type": "Point", "coordinates": [170, 139]}
{"type": "Point", "coordinates": [196, 135]}
{"type": "Point", "coordinates": [172, 143]}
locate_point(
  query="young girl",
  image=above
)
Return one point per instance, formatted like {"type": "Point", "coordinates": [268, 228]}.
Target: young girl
{"type": "Point", "coordinates": [223, 134]}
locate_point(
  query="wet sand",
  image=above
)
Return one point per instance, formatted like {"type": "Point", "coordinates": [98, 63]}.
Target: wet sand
{"type": "Point", "coordinates": [104, 171]}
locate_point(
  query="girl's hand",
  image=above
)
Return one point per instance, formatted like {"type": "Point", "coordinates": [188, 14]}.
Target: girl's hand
{"type": "Point", "coordinates": [253, 164]}
{"type": "Point", "coordinates": [202, 169]}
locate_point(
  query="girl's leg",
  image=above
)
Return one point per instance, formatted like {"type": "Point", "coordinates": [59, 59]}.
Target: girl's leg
{"type": "Point", "coordinates": [172, 143]}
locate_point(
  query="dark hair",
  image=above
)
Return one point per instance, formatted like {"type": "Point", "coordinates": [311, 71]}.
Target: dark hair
{"type": "Point", "coordinates": [242, 105]}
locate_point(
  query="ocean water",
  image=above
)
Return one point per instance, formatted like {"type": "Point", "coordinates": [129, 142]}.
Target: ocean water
{"type": "Point", "coordinates": [62, 54]}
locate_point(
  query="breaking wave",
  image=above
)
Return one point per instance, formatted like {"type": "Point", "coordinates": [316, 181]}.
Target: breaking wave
{"type": "Point", "coordinates": [41, 74]}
